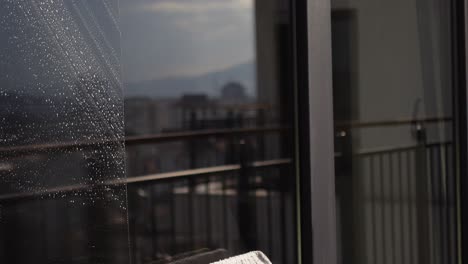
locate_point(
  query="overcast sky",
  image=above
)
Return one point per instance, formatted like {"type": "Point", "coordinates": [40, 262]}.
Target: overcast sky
{"type": "Point", "coordinates": [167, 38]}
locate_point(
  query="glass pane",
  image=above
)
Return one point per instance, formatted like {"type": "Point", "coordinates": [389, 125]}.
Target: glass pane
{"type": "Point", "coordinates": [62, 187]}
{"type": "Point", "coordinates": [208, 94]}
{"type": "Point", "coordinates": [395, 173]}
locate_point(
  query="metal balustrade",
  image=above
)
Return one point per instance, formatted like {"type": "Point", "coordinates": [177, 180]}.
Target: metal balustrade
{"type": "Point", "coordinates": [406, 198]}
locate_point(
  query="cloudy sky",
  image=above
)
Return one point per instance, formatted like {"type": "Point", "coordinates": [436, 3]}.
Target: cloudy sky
{"type": "Point", "coordinates": [167, 38]}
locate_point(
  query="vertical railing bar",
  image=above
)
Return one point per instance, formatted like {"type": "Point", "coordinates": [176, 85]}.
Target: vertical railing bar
{"type": "Point", "coordinates": [173, 218]}
{"type": "Point", "coordinates": [401, 203]}
{"type": "Point", "coordinates": [246, 201]}
{"type": "Point", "coordinates": [444, 203]}
{"type": "Point", "coordinates": [382, 207]}
{"type": "Point", "coordinates": [44, 225]}
{"type": "Point", "coordinates": [269, 216]}
{"type": "Point", "coordinates": [237, 246]}
{"type": "Point", "coordinates": [191, 218]}
{"type": "Point", "coordinates": [448, 204]}
{"type": "Point", "coordinates": [154, 238]}
{"type": "Point", "coordinates": [283, 189]}
{"type": "Point", "coordinates": [437, 205]}
{"type": "Point", "coordinates": [373, 208]}
{"type": "Point", "coordinates": [432, 203]}
{"type": "Point", "coordinates": [225, 212]}
{"type": "Point", "coordinates": [67, 216]}
{"type": "Point", "coordinates": [422, 195]}
{"type": "Point", "coordinates": [411, 179]}
{"type": "Point", "coordinates": [440, 204]}
{"type": "Point", "coordinates": [133, 231]}
{"type": "Point", "coordinates": [253, 206]}
{"type": "Point", "coordinates": [392, 206]}
{"type": "Point", "coordinates": [208, 211]}
{"type": "Point", "coordinates": [452, 187]}
{"type": "Point", "coordinates": [193, 125]}
{"type": "Point", "coordinates": [147, 205]}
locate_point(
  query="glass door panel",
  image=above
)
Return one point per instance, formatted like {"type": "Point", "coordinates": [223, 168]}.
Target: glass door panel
{"type": "Point", "coordinates": [393, 87]}
{"type": "Point", "coordinates": [208, 112]}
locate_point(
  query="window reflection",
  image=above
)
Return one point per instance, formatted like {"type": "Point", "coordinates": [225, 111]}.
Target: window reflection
{"type": "Point", "coordinates": [208, 125]}
{"type": "Point", "coordinates": [395, 155]}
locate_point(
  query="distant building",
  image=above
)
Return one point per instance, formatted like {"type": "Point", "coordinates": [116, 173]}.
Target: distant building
{"type": "Point", "coordinates": [233, 92]}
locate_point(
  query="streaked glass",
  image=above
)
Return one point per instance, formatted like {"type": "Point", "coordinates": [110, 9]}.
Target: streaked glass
{"type": "Point", "coordinates": [62, 187]}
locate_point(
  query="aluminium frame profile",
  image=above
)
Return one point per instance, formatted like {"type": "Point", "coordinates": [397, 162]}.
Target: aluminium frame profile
{"type": "Point", "coordinates": [314, 126]}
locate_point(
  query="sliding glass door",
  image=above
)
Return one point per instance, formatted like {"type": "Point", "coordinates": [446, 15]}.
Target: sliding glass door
{"type": "Point", "coordinates": [209, 128]}
{"type": "Point", "coordinates": [395, 81]}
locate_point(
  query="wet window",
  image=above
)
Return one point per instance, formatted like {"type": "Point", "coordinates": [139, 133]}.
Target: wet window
{"type": "Point", "coordinates": [62, 191]}
{"type": "Point", "coordinates": [146, 131]}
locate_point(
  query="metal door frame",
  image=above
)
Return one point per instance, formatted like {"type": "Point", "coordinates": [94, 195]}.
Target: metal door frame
{"type": "Point", "coordinates": [314, 126]}
{"type": "Point", "coordinates": [317, 230]}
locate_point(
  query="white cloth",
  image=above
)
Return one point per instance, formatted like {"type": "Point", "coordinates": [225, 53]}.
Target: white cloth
{"type": "Point", "coordinates": [254, 257]}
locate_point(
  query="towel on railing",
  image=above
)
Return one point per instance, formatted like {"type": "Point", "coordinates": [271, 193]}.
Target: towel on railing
{"type": "Point", "coordinates": [202, 257]}
{"type": "Point", "coordinates": [254, 257]}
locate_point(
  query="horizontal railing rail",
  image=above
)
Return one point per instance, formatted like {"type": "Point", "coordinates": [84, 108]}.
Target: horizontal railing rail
{"type": "Point", "coordinates": [163, 138]}
{"type": "Point", "coordinates": [139, 140]}
{"type": "Point", "coordinates": [143, 179]}
{"type": "Point", "coordinates": [198, 134]}
{"type": "Point", "coordinates": [395, 122]}
{"type": "Point", "coordinates": [398, 148]}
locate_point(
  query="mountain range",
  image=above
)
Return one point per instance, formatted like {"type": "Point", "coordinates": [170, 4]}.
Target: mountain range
{"type": "Point", "coordinates": [209, 83]}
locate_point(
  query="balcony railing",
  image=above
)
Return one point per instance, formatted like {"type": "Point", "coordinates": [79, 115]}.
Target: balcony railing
{"type": "Point", "coordinates": [251, 204]}
{"type": "Point", "coordinates": [401, 199]}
